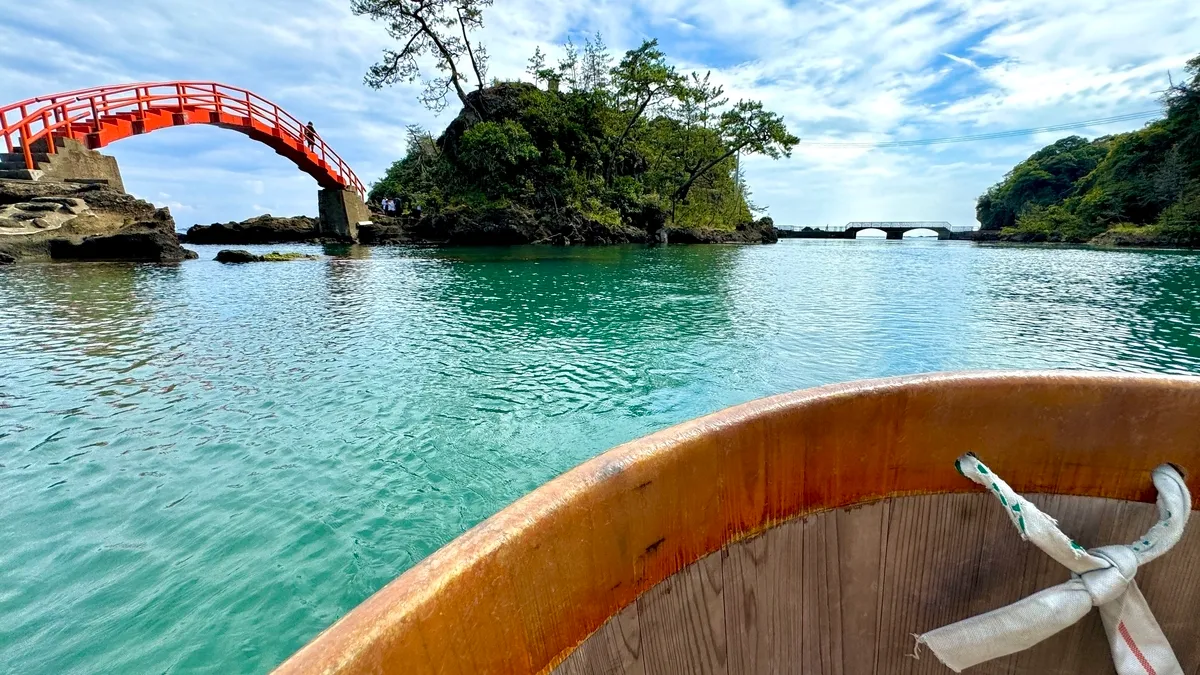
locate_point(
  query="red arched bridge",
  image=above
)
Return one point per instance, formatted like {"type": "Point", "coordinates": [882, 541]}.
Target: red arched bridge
{"type": "Point", "coordinates": [101, 115]}
{"type": "Point", "coordinates": [35, 130]}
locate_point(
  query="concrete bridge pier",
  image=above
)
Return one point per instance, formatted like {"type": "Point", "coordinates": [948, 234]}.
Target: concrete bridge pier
{"type": "Point", "coordinates": [894, 234]}
{"type": "Point", "coordinates": [339, 213]}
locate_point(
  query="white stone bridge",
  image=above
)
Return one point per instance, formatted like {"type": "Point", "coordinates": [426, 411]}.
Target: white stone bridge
{"type": "Point", "coordinates": [891, 229]}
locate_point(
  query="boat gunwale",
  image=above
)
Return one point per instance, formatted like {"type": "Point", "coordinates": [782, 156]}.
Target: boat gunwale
{"type": "Point", "coordinates": [397, 611]}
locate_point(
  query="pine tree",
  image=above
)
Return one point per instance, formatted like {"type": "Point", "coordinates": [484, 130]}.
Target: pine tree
{"type": "Point", "coordinates": [596, 64]}
{"type": "Point", "coordinates": [568, 66]}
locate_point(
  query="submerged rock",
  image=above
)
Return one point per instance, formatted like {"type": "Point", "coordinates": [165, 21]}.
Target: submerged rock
{"type": "Point", "coordinates": [264, 229]}
{"type": "Point", "coordinates": [241, 256]}
{"type": "Point", "coordinates": [48, 220]}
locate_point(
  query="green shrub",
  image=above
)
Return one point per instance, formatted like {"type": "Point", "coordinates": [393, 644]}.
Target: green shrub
{"type": "Point", "coordinates": [593, 209]}
{"type": "Point", "coordinates": [495, 153]}
{"type": "Point", "coordinates": [1051, 223]}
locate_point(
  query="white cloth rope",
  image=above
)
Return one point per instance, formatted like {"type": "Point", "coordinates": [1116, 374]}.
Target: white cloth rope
{"type": "Point", "coordinates": [1102, 577]}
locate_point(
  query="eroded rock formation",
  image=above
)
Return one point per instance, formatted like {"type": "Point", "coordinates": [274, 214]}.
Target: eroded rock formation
{"type": "Point", "coordinates": [49, 220]}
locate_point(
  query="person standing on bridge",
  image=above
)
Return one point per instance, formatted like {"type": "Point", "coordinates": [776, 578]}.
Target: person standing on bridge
{"type": "Point", "coordinates": [310, 136]}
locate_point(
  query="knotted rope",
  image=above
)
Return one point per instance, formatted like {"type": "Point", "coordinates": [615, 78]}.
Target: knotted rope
{"type": "Point", "coordinates": [1102, 577]}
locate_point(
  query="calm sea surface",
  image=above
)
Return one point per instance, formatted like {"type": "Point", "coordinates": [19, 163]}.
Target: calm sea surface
{"type": "Point", "coordinates": [202, 466]}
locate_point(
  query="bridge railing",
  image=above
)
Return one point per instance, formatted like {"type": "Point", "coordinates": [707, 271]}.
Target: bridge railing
{"type": "Point", "coordinates": [24, 123]}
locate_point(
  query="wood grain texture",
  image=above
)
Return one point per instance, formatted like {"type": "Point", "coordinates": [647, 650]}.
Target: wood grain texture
{"type": "Point", "coordinates": [683, 621]}
{"type": "Point", "coordinates": [519, 592]}
{"type": "Point", "coordinates": [842, 592]}
{"type": "Point", "coordinates": [614, 650]}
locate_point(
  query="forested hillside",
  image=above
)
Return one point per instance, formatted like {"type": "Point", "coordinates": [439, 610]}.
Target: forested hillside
{"type": "Point", "coordinates": [1137, 188]}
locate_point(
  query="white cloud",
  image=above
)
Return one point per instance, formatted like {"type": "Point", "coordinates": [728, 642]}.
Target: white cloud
{"type": "Point", "coordinates": [850, 70]}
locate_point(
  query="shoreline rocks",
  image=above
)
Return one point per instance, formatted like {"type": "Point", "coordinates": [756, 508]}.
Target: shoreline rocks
{"type": "Point", "coordinates": [761, 231]}
{"type": "Point", "coordinates": [264, 229]}
{"type": "Point", "coordinates": [66, 221]}
{"type": "Point", "coordinates": [515, 225]}
{"type": "Point", "coordinates": [1127, 237]}
{"type": "Point", "coordinates": [49, 220]}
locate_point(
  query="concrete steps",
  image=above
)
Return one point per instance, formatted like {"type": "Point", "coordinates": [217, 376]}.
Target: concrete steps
{"type": "Point", "coordinates": [13, 161]}
{"type": "Point", "coordinates": [20, 174]}
{"type": "Point", "coordinates": [72, 162]}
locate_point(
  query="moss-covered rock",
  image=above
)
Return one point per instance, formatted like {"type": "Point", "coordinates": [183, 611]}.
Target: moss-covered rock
{"type": "Point", "coordinates": [275, 256]}
{"type": "Point", "coordinates": [1134, 236]}
{"type": "Point", "coordinates": [243, 256]}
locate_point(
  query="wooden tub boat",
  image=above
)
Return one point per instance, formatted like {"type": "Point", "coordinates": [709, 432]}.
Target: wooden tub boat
{"type": "Point", "coordinates": [812, 532]}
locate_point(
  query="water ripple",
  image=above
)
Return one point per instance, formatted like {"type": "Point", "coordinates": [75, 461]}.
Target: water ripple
{"type": "Point", "coordinates": [204, 465]}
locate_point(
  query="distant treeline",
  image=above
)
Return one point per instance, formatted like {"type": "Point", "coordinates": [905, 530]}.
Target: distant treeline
{"type": "Point", "coordinates": [1136, 188]}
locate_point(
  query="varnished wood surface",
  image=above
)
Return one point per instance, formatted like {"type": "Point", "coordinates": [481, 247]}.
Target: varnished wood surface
{"type": "Point", "coordinates": [519, 592]}
{"type": "Point", "coordinates": [842, 593]}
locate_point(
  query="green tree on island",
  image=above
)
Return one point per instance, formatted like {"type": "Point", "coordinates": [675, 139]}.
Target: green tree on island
{"type": "Point", "coordinates": [1136, 188]}
{"type": "Point", "coordinates": [588, 151]}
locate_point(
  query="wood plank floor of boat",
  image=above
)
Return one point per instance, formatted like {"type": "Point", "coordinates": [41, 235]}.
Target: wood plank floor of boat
{"type": "Point", "coordinates": [843, 592]}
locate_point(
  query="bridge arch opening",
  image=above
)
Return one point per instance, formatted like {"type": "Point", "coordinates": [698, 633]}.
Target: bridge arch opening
{"type": "Point", "coordinates": [870, 233]}
{"type": "Point", "coordinates": [920, 232]}
{"type": "Point", "coordinates": [206, 174]}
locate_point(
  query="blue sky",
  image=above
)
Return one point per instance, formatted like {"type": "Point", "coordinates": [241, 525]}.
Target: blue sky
{"type": "Point", "coordinates": [837, 71]}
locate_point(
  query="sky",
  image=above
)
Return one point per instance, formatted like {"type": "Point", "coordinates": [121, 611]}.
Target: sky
{"type": "Point", "coordinates": [837, 71]}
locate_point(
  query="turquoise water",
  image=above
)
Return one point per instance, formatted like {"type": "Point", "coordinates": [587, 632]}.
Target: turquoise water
{"type": "Point", "coordinates": [202, 466]}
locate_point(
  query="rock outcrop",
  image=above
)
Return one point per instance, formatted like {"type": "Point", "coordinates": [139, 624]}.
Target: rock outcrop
{"type": "Point", "coordinates": [49, 220]}
{"type": "Point", "coordinates": [264, 229]}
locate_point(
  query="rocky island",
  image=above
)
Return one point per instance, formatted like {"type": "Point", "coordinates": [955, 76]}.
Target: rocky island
{"type": "Point", "coordinates": [587, 153]}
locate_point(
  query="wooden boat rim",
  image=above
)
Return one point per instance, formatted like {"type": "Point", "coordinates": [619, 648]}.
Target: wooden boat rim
{"type": "Point", "coordinates": [414, 596]}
